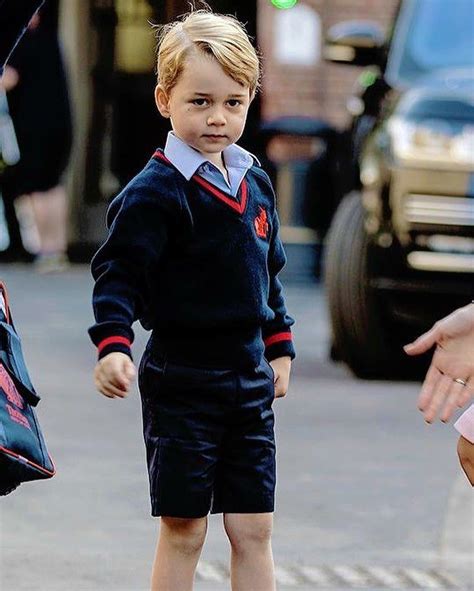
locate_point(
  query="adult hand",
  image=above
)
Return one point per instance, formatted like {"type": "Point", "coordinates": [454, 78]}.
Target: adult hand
{"type": "Point", "coordinates": [449, 382]}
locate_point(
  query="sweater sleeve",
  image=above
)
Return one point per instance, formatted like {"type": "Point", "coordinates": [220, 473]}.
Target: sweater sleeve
{"type": "Point", "coordinates": [277, 332]}
{"type": "Point", "coordinates": [137, 235]}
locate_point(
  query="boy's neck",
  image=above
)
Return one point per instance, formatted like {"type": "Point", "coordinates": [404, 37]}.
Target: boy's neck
{"type": "Point", "coordinates": [218, 160]}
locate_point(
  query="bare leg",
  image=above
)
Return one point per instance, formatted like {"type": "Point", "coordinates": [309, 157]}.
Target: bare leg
{"type": "Point", "coordinates": [177, 553]}
{"type": "Point", "coordinates": [252, 566]}
{"type": "Point", "coordinates": [50, 212]}
{"type": "Point", "coordinates": [11, 220]}
{"type": "Point", "coordinates": [29, 231]}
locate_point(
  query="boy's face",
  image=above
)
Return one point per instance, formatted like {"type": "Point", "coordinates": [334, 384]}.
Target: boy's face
{"type": "Point", "coordinates": [207, 108]}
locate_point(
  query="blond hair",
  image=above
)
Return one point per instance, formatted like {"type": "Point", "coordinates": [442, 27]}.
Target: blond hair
{"type": "Point", "coordinates": [221, 36]}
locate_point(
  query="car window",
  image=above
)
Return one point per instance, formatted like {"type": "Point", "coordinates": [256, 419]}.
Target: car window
{"type": "Point", "coordinates": [432, 35]}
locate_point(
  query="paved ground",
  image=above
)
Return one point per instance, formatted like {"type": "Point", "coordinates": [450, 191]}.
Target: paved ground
{"type": "Point", "coordinates": [369, 497]}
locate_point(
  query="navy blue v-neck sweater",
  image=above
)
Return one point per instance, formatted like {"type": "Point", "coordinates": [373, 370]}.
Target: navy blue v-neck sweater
{"type": "Point", "coordinates": [195, 265]}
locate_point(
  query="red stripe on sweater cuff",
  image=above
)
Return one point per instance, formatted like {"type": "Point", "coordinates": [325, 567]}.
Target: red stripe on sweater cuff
{"type": "Point", "coordinates": [276, 338]}
{"type": "Point", "coordinates": [113, 341]}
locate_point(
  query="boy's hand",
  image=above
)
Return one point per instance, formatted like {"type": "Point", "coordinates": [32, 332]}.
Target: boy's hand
{"type": "Point", "coordinates": [113, 375]}
{"type": "Point", "coordinates": [281, 368]}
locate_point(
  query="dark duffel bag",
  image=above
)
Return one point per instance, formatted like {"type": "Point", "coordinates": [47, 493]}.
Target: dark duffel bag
{"type": "Point", "coordinates": [23, 453]}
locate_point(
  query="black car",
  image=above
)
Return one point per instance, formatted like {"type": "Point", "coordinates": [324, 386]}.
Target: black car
{"type": "Point", "coordinates": [400, 250]}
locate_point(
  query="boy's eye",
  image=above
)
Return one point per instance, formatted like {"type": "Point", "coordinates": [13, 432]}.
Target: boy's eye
{"type": "Point", "coordinates": [234, 102]}
{"type": "Point", "coordinates": [200, 102]}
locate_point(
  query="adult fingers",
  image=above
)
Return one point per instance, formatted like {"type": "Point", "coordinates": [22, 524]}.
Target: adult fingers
{"type": "Point", "coordinates": [452, 402]}
{"type": "Point", "coordinates": [423, 342]}
{"type": "Point", "coordinates": [443, 387]}
{"type": "Point", "coordinates": [429, 387]}
{"type": "Point", "coordinates": [467, 393]}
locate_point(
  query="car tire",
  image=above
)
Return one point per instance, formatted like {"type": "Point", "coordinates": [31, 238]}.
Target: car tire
{"type": "Point", "coordinates": [363, 337]}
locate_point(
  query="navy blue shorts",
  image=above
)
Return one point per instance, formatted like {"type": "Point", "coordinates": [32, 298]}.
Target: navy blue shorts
{"type": "Point", "coordinates": [209, 437]}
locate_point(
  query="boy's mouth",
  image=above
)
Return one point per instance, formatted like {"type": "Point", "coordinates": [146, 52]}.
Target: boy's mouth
{"type": "Point", "coordinates": [214, 135]}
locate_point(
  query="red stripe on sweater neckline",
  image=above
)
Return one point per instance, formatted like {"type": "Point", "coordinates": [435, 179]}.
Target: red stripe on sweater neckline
{"type": "Point", "coordinates": [238, 205]}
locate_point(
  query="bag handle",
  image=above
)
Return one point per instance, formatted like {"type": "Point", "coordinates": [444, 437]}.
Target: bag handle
{"type": "Point", "coordinates": [4, 293]}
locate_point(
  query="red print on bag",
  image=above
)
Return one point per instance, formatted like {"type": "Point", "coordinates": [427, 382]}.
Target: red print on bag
{"type": "Point", "coordinates": [261, 224]}
{"type": "Point", "coordinates": [16, 416]}
{"type": "Point", "coordinates": [9, 388]}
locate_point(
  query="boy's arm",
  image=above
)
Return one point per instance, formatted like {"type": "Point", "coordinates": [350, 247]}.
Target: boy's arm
{"type": "Point", "coordinates": [137, 236]}
{"type": "Point", "coordinates": [277, 332]}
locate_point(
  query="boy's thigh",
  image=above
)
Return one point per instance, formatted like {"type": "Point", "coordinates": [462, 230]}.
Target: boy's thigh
{"type": "Point", "coordinates": [185, 402]}
{"type": "Point", "coordinates": [245, 476]}
{"type": "Point", "coordinates": [246, 473]}
{"type": "Point", "coordinates": [181, 474]}
{"type": "Point", "coordinates": [183, 419]}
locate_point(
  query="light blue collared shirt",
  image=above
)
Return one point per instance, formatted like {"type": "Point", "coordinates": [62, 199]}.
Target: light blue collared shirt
{"type": "Point", "coordinates": [189, 162]}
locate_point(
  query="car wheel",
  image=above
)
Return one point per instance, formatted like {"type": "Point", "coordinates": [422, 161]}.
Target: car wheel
{"type": "Point", "coordinates": [363, 333]}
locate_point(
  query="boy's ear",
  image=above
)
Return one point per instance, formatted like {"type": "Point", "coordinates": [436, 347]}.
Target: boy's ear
{"type": "Point", "coordinates": [162, 101]}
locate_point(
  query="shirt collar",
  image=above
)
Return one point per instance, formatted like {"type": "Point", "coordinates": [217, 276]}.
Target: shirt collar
{"type": "Point", "coordinates": [187, 160]}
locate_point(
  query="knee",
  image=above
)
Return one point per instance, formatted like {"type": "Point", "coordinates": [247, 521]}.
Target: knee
{"type": "Point", "coordinates": [247, 533]}
{"type": "Point", "coordinates": [185, 535]}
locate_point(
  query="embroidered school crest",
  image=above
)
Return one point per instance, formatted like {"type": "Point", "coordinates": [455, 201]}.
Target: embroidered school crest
{"type": "Point", "coordinates": [261, 223]}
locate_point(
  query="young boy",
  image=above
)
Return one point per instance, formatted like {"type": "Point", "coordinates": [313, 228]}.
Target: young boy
{"type": "Point", "coordinates": [193, 253]}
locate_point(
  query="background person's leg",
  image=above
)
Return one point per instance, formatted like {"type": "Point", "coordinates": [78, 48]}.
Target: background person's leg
{"type": "Point", "coordinates": [50, 211]}
{"type": "Point", "coordinates": [50, 215]}
{"type": "Point", "coordinates": [15, 251]}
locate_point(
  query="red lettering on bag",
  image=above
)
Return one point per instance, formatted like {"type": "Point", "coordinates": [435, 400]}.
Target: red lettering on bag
{"type": "Point", "coordinates": [7, 385]}
{"type": "Point", "coordinates": [16, 416]}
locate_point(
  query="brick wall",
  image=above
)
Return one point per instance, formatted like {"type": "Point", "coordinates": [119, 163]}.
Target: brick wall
{"type": "Point", "coordinates": [318, 90]}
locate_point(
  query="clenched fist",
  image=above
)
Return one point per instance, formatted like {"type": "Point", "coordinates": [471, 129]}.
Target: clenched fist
{"type": "Point", "coordinates": [113, 375]}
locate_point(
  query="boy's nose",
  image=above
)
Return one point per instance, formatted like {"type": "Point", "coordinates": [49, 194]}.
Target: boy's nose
{"type": "Point", "coordinates": [216, 118]}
